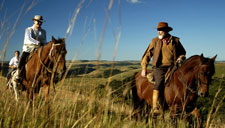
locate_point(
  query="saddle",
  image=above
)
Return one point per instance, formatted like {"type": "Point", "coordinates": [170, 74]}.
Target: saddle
{"type": "Point", "coordinates": [168, 74]}
{"type": "Point", "coordinates": [31, 54]}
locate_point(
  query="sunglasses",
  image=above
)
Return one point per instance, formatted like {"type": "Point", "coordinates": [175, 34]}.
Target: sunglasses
{"type": "Point", "coordinates": [39, 22]}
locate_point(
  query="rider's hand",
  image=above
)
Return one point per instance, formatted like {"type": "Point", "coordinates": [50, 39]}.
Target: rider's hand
{"type": "Point", "coordinates": [143, 73]}
{"type": "Point", "coordinates": [40, 44]}
{"type": "Point", "coordinates": [179, 60]}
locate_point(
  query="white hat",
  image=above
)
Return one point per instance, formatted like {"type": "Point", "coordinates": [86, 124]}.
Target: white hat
{"type": "Point", "coordinates": [38, 18]}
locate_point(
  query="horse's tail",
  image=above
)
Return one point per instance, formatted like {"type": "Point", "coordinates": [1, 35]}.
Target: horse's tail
{"type": "Point", "coordinates": [138, 103]}
{"type": "Point", "coordinates": [134, 90]}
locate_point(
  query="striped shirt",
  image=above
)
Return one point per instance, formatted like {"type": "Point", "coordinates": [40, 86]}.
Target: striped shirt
{"type": "Point", "coordinates": [33, 38]}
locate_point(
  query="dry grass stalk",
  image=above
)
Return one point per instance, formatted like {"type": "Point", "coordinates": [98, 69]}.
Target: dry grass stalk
{"type": "Point", "coordinates": [20, 17]}
{"type": "Point", "coordinates": [69, 33]}
{"type": "Point", "coordinates": [103, 30]}
{"type": "Point", "coordinates": [211, 114]}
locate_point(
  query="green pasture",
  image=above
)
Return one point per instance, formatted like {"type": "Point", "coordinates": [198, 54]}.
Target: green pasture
{"type": "Point", "coordinates": [96, 94]}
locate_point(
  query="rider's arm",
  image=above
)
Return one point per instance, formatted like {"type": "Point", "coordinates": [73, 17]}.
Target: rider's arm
{"type": "Point", "coordinates": [43, 37]}
{"type": "Point", "coordinates": [44, 40]}
{"type": "Point", "coordinates": [180, 52]}
{"type": "Point", "coordinates": [29, 39]}
{"type": "Point", "coordinates": [147, 56]}
{"type": "Point", "coordinates": [11, 64]}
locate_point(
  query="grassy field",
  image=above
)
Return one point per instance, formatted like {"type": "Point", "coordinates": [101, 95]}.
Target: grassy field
{"type": "Point", "coordinates": [97, 95]}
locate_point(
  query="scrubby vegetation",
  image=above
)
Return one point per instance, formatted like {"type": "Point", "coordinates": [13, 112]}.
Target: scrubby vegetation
{"type": "Point", "coordinates": [100, 97]}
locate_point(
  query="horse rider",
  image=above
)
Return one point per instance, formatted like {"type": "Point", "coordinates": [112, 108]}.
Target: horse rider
{"type": "Point", "coordinates": [34, 37]}
{"type": "Point", "coordinates": [166, 50]}
{"type": "Point", "coordinates": [13, 63]}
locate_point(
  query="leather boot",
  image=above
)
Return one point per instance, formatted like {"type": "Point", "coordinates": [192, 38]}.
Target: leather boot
{"type": "Point", "coordinates": [155, 107]}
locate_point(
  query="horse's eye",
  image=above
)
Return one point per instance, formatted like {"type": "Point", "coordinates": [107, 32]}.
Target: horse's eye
{"type": "Point", "coordinates": [208, 73]}
{"type": "Point", "coordinates": [202, 73]}
{"type": "Point", "coordinates": [57, 51]}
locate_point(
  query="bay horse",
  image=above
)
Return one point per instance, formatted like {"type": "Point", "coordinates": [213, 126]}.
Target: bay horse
{"type": "Point", "coordinates": [181, 91]}
{"type": "Point", "coordinates": [46, 66]}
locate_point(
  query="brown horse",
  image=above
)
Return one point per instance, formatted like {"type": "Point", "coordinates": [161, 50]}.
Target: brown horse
{"type": "Point", "coordinates": [46, 66]}
{"type": "Point", "coordinates": [180, 93]}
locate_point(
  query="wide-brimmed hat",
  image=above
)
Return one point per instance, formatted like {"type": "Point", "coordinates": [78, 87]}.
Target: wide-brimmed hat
{"type": "Point", "coordinates": [163, 26]}
{"type": "Point", "coordinates": [38, 18]}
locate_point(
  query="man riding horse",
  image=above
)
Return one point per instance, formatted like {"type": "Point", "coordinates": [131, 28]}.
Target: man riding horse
{"type": "Point", "coordinates": [35, 37]}
{"type": "Point", "coordinates": [166, 50]}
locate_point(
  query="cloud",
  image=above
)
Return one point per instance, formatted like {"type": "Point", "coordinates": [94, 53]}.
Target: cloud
{"type": "Point", "coordinates": [134, 1]}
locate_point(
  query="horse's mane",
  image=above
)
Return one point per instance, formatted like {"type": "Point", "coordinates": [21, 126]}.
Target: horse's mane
{"type": "Point", "coordinates": [196, 60]}
{"type": "Point", "coordinates": [192, 58]}
{"type": "Point", "coordinates": [57, 41]}
{"type": "Point", "coordinates": [47, 45]}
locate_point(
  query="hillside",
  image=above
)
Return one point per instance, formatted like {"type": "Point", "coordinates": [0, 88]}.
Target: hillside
{"type": "Point", "coordinates": [94, 93]}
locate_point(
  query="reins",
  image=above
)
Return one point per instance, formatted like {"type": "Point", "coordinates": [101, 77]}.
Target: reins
{"type": "Point", "coordinates": [187, 86]}
{"type": "Point", "coordinates": [184, 82]}
{"type": "Point", "coordinates": [50, 54]}
{"type": "Point", "coordinates": [48, 69]}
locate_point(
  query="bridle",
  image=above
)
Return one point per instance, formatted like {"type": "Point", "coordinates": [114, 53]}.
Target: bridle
{"type": "Point", "coordinates": [51, 55]}
{"type": "Point", "coordinates": [180, 76]}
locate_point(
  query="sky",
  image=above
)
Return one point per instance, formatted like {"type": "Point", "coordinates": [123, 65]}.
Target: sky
{"type": "Point", "coordinates": [130, 27]}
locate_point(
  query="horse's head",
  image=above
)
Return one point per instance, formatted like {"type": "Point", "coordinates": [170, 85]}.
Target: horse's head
{"type": "Point", "coordinates": [57, 56]}
{"type": "Point", "coordinates": [204, 74]}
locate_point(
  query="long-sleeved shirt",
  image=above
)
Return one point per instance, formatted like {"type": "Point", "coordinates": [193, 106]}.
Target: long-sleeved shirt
{"type": "Point", "coordinates": [33, 38]}
{"type": "Point", "coordinates": [163, 54]}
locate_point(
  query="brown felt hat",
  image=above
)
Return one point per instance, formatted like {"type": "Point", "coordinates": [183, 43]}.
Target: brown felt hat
{"type": "Point", "coordinates": [38, 18]}
{"type": "Point", "coordinates": [163, 26]}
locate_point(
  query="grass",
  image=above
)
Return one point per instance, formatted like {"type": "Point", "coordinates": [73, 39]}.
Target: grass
{"type": "Point", "coordinates": [219, 69]}
{"type": "Point", "coordinates": [96, 94]}
{"type": "Point", "coordinates": [88, 101]}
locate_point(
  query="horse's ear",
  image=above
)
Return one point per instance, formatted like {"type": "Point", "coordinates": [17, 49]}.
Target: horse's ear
{"type": "Point", "coordinates": [53, 39]}
{"type": "Point", "coordinates": [202, 58]}
{"type": "Point", "coordinates": [202, 55]}
{"type": "Point", "coordinates": [63, 40]}
{"type": "Point", "coordinates": [214, 58]}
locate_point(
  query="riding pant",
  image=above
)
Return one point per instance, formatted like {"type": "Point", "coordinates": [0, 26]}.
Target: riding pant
{"type": "Point", "coordinates": [23, 60]}
{"type": "Point", "coordinates": [159, 76]}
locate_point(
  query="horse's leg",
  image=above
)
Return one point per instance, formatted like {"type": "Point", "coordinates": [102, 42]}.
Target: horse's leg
{"type": "Point", "coordinates": [30, 94]}
{"type": "Point", "coordinates": [173, 112]}
{"type": "Point", "coordinates": [137, 103]}
{"type": "Point", "coordinates": [197, 115]}
{"type": "Point", "coordinates": [46, 91]}
{"type": "Point", "coordinates": [8, 84]}
{"type": "Point", "coordinates": [15, 90]}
